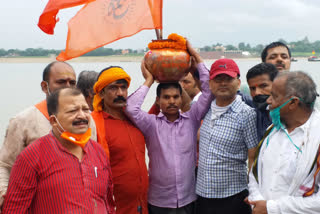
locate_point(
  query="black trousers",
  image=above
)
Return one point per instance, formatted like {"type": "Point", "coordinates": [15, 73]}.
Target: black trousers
{"type": "Point", "coordinates": [230, 205]}
{"type": "Point", "coordinates": [188, 209]}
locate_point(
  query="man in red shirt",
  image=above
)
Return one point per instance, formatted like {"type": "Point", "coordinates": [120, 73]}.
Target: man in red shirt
{"type": "Point", "coordinates": [33, 122]}
{"type": "Point", "coordinates": [121, 140]}
{"type": "Point", "coordinates": [64, 171]}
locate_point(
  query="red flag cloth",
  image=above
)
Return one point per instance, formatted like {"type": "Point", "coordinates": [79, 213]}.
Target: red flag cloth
{"type": "Point", "coordinates": [104, 21]}
{"type": "Point", "coordinates": [48, 20]}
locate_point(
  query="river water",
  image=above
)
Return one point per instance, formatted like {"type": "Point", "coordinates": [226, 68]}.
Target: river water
{"type": "Point", "coordinates": [20, 82]}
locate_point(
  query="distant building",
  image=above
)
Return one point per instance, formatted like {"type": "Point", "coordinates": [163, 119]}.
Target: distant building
{"type": "Point", "coordinates": [126, 51]}
{"type": "Point", "coordinates": [224, 54]}
{"type": "Point", "coordinates": [52, 56]}
{"type": "Point", "coordinates": [220, 48]}
{"type": "Point", "coordinates": [140, 51]}
{"type": "Point", "coordinates": [291, 46]}
{"type": "Point", "coordinates": [13, 55]}
{"type": "Point", "coordinates": [246, 53]}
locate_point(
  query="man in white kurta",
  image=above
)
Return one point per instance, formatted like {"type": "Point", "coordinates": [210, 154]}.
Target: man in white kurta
{"type": "Point", "coordinates": [32, 123]}
{"type": "Point", "coordinates": [284, 177]}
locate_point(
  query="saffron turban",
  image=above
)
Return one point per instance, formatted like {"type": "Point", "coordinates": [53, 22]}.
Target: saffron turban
{"type": "Point", "coordinates": [105, 78]}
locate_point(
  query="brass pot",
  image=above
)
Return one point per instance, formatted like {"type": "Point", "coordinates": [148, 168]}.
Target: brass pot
{"type": "Point", "coordinates": [167, 65]}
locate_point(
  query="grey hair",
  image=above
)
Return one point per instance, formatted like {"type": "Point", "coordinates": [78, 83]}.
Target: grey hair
{"type": "Point", "coordinates": [301, 85]}
{"type": "Point", "coordinates": [86, 81]}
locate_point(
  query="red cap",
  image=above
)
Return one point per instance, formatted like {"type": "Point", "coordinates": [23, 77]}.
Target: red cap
{"type": "Point", "coordinates": [224, 66]}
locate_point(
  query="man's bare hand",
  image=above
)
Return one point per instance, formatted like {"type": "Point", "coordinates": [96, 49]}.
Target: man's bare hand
{"type": "Point", "coordinates": [193, 53]}
{"type": "Point", "coordinates": [147, 75]}
{"type": "Point", "coordinates": [259, 207]}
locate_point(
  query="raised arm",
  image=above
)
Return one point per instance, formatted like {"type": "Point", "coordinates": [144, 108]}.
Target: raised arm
{"type": "Point", "coordinates": [200, 108]}
{"type": "Point", "coordinates": [147, 75]}
{"type": "Point", "coordinates": [135, 100]}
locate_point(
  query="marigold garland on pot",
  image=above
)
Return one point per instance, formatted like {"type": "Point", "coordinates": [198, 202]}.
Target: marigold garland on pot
{"type": "Point", "coordinates": [174, 41]}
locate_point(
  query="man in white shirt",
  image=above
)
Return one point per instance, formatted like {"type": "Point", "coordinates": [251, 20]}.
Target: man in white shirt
{"type": "Point", "coordinates": [284, 177]}
{"type": "Point", "coordinates": [190, 84]}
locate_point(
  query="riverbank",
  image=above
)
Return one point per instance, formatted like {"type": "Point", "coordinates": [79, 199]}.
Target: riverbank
{"type": "Point", "coordinates": [88, 59]}
{"type": "Point", "coordinates": [84, 59]}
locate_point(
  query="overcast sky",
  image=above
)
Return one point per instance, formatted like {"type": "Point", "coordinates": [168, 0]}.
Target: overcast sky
{"type": "Point", "coordinates": [204, 22]}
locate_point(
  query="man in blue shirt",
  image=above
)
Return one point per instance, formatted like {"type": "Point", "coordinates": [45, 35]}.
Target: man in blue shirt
{"type": "Point", "coordinates": [227, 138]}
{"type": "Point", "coordinates": [260, 78]}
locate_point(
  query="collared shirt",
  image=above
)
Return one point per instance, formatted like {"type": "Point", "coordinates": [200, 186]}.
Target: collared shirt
{"type": "Point", "coordinates": [195, 99]}
{"type": "Point", "coordinates": [224, 144]}
{"type": "Point", "coordinates": [171, 147]}
{"type": "Point", "coordinates": [278, 162]}
{"type": "Point", "coordinates": [23, 129]}
{"type": "Point", "coordinates": [217, 111]}
{"type": "Point", "coordinates": [129, 171]}
{"type": "Point", "coordinates": [47, 178]}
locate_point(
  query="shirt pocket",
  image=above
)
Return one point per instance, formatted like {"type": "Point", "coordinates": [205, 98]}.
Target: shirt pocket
{"type": "Point", "coordinates": [100, 180]}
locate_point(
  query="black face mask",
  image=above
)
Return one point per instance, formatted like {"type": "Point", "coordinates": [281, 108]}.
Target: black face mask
{"type": "Point", "coordinates": [260, 101]}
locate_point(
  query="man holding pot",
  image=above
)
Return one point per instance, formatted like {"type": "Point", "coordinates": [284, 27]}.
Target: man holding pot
{"type": "Point", "coordinates": [171, 138]}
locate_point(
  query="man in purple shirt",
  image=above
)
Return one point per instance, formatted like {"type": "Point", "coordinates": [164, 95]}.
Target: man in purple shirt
{"type": "Point", "coordinates": [171, 139]}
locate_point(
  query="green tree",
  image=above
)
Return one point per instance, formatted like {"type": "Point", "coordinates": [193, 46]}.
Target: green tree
{"type": "Point", "coordinates": [207, 48]}
{"type": "Point", "coordinates": [231, 48]}
{"type": "Point", "coordinates": [283, 41]}
{"type": "Point", "coordinates": [3, 52]}
{"type": "Point", "coordinates": [241, 46]}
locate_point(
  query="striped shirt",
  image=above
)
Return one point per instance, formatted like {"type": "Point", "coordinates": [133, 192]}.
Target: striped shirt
{"type": "Point", "coordinates": [224, 144]}
{"type": "Point", "coordinates": [46, 178]}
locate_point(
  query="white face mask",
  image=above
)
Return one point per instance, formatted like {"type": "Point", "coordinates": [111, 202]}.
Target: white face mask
{"type": "Point", "coordinates": [48, 89]}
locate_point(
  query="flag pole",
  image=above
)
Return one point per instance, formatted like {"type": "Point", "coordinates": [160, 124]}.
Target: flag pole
{"type": "Point", "coordinates": [157, 33]}
{"type": "Point", "coordinates": [151, 5]}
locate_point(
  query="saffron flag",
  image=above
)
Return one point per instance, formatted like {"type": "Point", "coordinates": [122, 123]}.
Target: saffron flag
{"type": "Point", "coordinates": [104, 21]}
{"type": "Point", "coordinates": [313, 52]}
{"type": "Point", "coordinates": [48, 20]}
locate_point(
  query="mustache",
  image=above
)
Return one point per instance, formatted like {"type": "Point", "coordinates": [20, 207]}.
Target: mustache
{"type": "Point", "coordinates": [120, 98]}
{"type": "Point", "coordinates": [280, 64]}
{"type": "Point", "coordinates": [172, 106]}
{"type": "Point", "coordinates": [77, 122]}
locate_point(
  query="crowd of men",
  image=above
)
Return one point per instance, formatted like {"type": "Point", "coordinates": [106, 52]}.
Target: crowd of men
{"type": "Point", "coordinates": [82, 149]}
